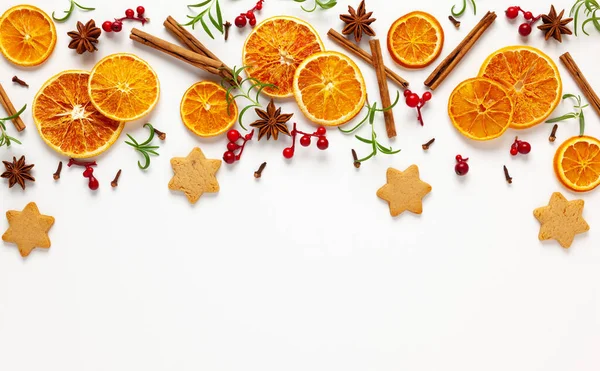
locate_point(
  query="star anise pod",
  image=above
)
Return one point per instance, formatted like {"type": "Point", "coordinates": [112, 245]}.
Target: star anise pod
{"type": "Point", "coordinates": [357, 22]}
{"type": "Point", "coordinates": [271, 122]}
{"type": "Point", "coordinates": [85, 38]}
{"type": "Point", "coordinates": [17, 172]}
{"type": "Point", "coordinates": [554, 25]}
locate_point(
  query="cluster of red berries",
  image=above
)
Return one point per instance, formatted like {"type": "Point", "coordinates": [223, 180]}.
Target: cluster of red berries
{"type": "Point", "coordinates": [93, 183]}
{"type": "Point", "coordinates": [233, 136]}
{"type": "Point", "coordinates": [414, 101]}
{"type": "Point", "coordinates": [461, 168]}
{"type": "Point", "coordinates": [520, 146]}
{"type": "Point", "coordinates": [305, 140]}
{"type": "Point", "coordinates": [117, 25]}
{"type": "Point", "coordinates": [240, 20]}
{"type": "Point", "coordinates": [525, 28]}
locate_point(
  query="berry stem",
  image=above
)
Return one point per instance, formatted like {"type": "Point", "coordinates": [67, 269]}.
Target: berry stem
{"type": "Point", "coordinates": [239, 155]}
{"type": "Point", "coordinates": [72, 162]}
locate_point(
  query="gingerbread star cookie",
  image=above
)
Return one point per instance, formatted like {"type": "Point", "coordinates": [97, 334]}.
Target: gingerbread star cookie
{"type": "Point", "coordinates": [561, 220]}
{"type": "Point", "coordinates": [404, 191]}
{"type": "Point", "coordinates": [28, 229]}
{"type": "Point", "coordinates": [194, 175]}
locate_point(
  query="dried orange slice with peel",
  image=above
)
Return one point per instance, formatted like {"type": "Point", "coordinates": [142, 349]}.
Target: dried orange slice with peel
{"type": "Point", "coordinates": [415, 40]}
{"type": "Point", "coordinates": [532, 79]}
{"type": "Point", "coordinates": [123, 87]}
{"type": "Point", "coordinates": [27, 35]}
{"type": "Point", "coordinates": [275, 48]}
{"type": "Point", "coordinates": [480, 109]}
{"type": "Point", "coordinates": [205, 111]}
{"type": "Point", "coordinates": [329, 88]}
{"type": "Point", "coordinates": [577, 163]}
{"type": "Point", "coordinates": [68, 122]}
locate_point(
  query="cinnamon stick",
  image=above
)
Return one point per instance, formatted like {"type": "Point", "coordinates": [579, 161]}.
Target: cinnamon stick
{"type": "Point", "coordinates": [384, 92]}
{"type": "Point", "coordinates": [10, 109]}
{"type": "Point", "coordinates": [584, 85]}
{"type": "Point", "coordinates": [447, 65]}
{"type": "Point", "coordinates": [365, 56]}
{"type": "Point", "coordinates": [188, 39]}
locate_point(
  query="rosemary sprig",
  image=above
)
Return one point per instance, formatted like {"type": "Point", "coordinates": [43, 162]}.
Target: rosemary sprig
{"type": "Point", "coordinates": [244, 93]}
{"type": "Point", "coordinates": [590, 10]}
{"type": "Point", "coordinates": [323, 4]}
{"type": "Point", "coordinates": [573, 115]}
{"type": "Point", "coordinates": [5, 139]}
{"type": "Point", "coordinates": [70, 11]}
{"type": "Point", "coordinates": [144, 148]}
{"type": "Point", "coordinates": [370, 117]}
{"type": "Point", "coordinates": [208, 6]}
{"type": "Point", "coordinates": [464, 8]}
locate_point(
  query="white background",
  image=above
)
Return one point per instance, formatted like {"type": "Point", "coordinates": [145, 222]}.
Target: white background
{"type": "Point", "coordinates": [303, 269]}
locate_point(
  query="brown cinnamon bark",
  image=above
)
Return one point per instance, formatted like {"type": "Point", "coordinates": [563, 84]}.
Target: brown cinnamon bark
{"type": "Point", "coordinates": [10, 109]}
{"type": "Point", "coordinates": [384, 92]}
{"type": "Point", "coordinates": [581, 81]}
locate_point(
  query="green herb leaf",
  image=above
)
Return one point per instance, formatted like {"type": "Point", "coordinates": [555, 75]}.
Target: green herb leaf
{"type": "Point", "coordinates": [572, 115]}
{"type": "Point", "coordinates": [210, 8]}
{"type": "Point", "coordinates": [463, 8]}
{"type": "Point", "coordinates": [591, 7]}
{"type": "Point", "coordinates": [318, 3]}
{"type": "Point", "coordinates": [144, 149]}
{"type": "Point", "coordinates": [70, 11]}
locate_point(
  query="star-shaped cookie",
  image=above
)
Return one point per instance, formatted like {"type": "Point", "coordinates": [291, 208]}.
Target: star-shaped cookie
{"type": "Point", "coordinates": [194, 175]}
{"type": "Point", "coordinates": [404, 191]}
{"type": "Point", "coordinates": [28, 229]}
{"type": "Point", "coordinates": [561, 220]}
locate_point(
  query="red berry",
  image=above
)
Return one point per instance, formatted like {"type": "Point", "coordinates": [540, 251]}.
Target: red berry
{"type": "Point", "coordinates": [305, 141]}
{"type": "Point", "coordinates": [514, 150]}
{"type": "Point", "coordinates": [258, 6]}
{"type": "Point", "coordinates": [233, 135]}
{"type": "Point", "coordinates": [232, 146]}
{"type": "Point", "coordinates": [248, 136]}
{"type": "Point", "coordinates": [88, 172]}
{"type": "Point", "coordinates": [252, 22]}
{"type": "Point", "coordinates": [129, 13]}
{"type": "Point", "coordinates": [229, 157]}
{"type": "Point", "coordinates": [525, 29]}
{"type": "Point", "coordinates": [322, 143]}
{"type": "Point", "coordinates": [512, 12]}
{"type": "Point", "coordinates": [240, 21]}
{"type": "Point", "coordinates": [462, 168]}
{"type": "Point", "coordinates": [321, 131]}
{"type": "Point", "coordinates": [250, 14]}
{"type": "Point", "coordinates": [107, 26]}
{"type": "Point", "coordinates": [528, 16]}
{"type": "Point", "coordinates": [426, 96]}
{"type": "Point", "coordinates": [524, 148]}
{"type": "Point", "coordinates": [288, 152]}
{"type": "Point", "coordinates": [459, 158]}
{"type": "Point", "coordinates": [407, 92]}
{"type": "Point", "coordinates": [93, 183]}
{"type": "Point", "coordinates": [140, 11]}
{"type": "Point", "coordinates": [116, 26]}
{"type": "Point", "coordinates": [412, 100]}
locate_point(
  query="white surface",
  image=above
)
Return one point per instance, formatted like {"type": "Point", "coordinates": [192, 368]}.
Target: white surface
{"type": "Point", "coordinates": [303, 269]}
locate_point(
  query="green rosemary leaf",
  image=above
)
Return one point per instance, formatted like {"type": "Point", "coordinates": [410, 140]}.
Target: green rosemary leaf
{"type": "Point", "coordinates": [241, 114]}
{"type": "Point", "coordinates": [581, 124]}
{"type": "Point", "coordinates": [15, 115]}
{"type": "Point", "coordinates": [11, 139]}
{"type": "Point", "coordinates": [264, 86]}
{"type": "Point", "coordinates": [83, 7]}
{"type": "Point", "coordinates": [363, 139]}
{"type": "Point", "coordinates": [199, 5]}
{"type": "Point", "coordinates": [357, 125]}
{"type": "Point", "coordinates": [219, 15]}
{"type": "Point", "coordinates": [461, 11]}
{"type": "Point", "coordinates": [147, 164]}
{"type": "Point", "coordinates": [134, 144]}
{"type": "Point", "coordinates": [562, 118]}
{"type": "Point", "coordinates": [153, 152]}
{"type": "Point", "coordinates": [206, 28]}
{"type": "Point", "coordinates": [67, 13]}
{"type": "Point", "coordinates": [218, 26]}
{"type": "Point", "coordinates": [393, 104]}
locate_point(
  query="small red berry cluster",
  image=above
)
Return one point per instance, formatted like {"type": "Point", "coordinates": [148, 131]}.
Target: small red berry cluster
{"type": "Point", "coordinates": [117, 25]}
{"type": "Point", "coordinates": [305, 140]}
{"type": "Point", "coordinates": [87, 173]}
{"type": "Point", "coordinates": [461, 168]}
{"type": "Point", "coordinates": [240, 20]}
{"type": "Point", "coordinates": [525, 28]}
{"type": "Point", "coordinates": [233, 136]}
{"type": "Point", "coordinates": [520, 146]}
{"type": "Point", "coordinates": [414, 101]}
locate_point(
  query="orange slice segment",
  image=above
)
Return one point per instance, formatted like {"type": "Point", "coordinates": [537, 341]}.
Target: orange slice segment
{"type": "Point", "coordinates": [415, 40]}
{"type": "Point", "coordinates": [480, 109]}
{"type": "Point", "coordinates": [204, 109]}
{"type": "Point", "coordinates": [275, 48]}
{"type": "Point", "coordinates": [329, 88]}
{"type": "Point", "coordinates": [68, 122]}
{"type": "Point", "coordinates": [123, 87]}
{"type": "Point", "coordinates": [27, 35]}
{"type": "Point", "coordinates": [577, 163]}
{"type": "Point", "coordinates": [532, 79]}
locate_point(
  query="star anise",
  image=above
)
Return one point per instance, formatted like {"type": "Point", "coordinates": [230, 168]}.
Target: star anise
{"type": "Point", "coordinates": [271, 122]}
{"type": "Point", "coordinates": [85, 38]}
{"type": "Point", "coordinates": [357, 22]}
{"type": "Point", "coordinates": [554, 25]}
{"type": "Point", "coordinates": [17, 172]}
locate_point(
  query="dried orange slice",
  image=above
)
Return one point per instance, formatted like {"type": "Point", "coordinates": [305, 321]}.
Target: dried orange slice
{"type": "Point", "coordinates": [204, 109]}
{"type": "Point", "coordinates": [27, 35]}
{"type": "Point", "coordinates": [415, 40]}
{"type": "Point", "coordinates": [68, 122]}
{"type": "Point", "coordinates": [123, 87]}
{"type": "Point", "coordinates": [577, 163]}
{"type": "Point", "coordinates": [532, 79]}
{"type": "Point", "coordinates": [329, 88]}
{"type": "Point", "coordinates": [480, 109]}
{"type": "Point", "coordinates": [275, 48]}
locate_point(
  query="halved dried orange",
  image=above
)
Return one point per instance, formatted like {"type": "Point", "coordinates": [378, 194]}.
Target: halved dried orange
{"type": "Point", "coordinates": [27, 35]}
{"type": "Point", "coordinates": [532, 79]}
{"type": "Point", "coordinates": [415, 40]}
{"type": "Point", "coordinates": [480, 109]}
{"type": "Point", "coordinates": [577, 163]}
{"type": "Point", "coordinates": [123, 87]}
{"type": "Point", "coordinates": [275, 48]}
{"type": "Point", "coordinates": [204, 109]}
{"type": "Point", "coordinates": [329, 88]}
{"type": "Point", "coordinates": [68, 122]}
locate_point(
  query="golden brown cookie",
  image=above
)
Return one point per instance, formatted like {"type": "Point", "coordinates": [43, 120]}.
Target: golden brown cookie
{"type": "Point", "coordinates": [561, 220]}
{"type": "Point", "coordinates": [28, 229]}
{"type": "Point", "coordinates": [194, 175]}
{"type": "Point", "coordinates": [404, 191]}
